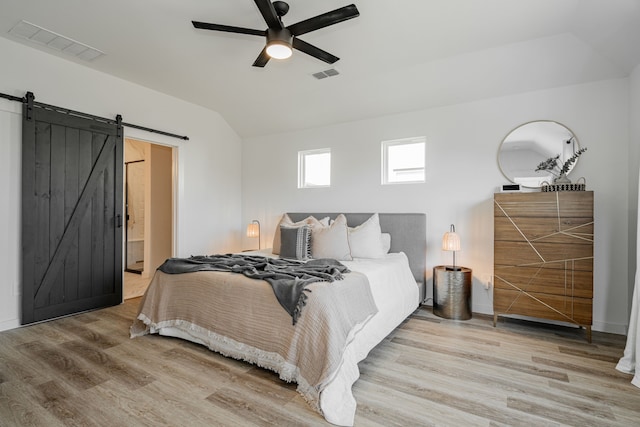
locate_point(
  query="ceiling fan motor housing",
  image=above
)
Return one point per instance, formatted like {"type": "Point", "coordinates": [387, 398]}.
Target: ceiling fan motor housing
{"type": "Point", "coordinates": [281, 8]}
{"type": "Point", "coordinates": [282, 36]}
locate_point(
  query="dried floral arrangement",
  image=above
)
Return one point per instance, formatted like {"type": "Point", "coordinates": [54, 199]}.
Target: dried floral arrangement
{"type": "Point", "coordinates": [553, 166]}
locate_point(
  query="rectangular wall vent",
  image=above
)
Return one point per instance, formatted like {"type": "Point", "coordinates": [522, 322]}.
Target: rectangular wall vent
{"type": "Point", "coordinates": [326, 73]}
{"type": "Point", "coordinates": [44, 37]}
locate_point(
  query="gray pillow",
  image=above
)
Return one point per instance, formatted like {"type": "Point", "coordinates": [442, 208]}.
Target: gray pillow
{"type": "Point", "coordinates": [295, 242]}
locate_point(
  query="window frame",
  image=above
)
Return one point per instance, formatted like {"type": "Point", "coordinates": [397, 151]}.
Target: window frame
{"type": "Point", "coordinates": [302, 169]}
{"type": "Point", "coordinates": [385, 145]}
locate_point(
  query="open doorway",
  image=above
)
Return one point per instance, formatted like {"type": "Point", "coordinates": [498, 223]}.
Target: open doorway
{"type": "Point", "coordinates": [148, 212]}
{"type": "Point", "coordinates": [134, 180]}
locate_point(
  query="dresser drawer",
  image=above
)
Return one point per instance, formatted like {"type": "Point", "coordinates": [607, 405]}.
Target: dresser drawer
{"type": "Point", "coordinates": [567, 204]}
{"type": "Point", "coordinates": [518, 253]}
{"type": "Point", "coordinates": [563, 282]}
{"type": "Point", "coordinates": [545, 306]}
{"type": "Point", "coordinates": [547, 230]}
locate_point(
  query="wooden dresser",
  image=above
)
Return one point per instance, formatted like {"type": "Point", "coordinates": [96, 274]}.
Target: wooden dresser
{"type": "Point", "coordinates": [543, 256]}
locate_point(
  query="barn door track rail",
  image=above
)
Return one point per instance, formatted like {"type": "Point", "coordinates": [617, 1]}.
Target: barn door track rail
{"type": "Point", "coordinates": [29, 100]}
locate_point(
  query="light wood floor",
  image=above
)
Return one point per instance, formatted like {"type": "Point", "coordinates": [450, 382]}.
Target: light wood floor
{"type": "Point", "coordinates": [86, 371]}
{"type": "Point", "coordinates": [134, 285]}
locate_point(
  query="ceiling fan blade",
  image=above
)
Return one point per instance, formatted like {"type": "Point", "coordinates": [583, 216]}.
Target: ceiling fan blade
{"type": "Point", "coordinates": [269, 14]}
{"type": "Point", "coordinates": [324, 20]}
{"type": "Point", "coordinates": [227, 28]}
{"type": "Point", "coordinates": [310, 49]}
{"type": "Point", "coordinates": [262, 59]}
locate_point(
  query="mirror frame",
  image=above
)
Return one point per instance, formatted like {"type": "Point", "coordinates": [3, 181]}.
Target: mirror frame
{"type": "Point", "coordinates": [534, 151]}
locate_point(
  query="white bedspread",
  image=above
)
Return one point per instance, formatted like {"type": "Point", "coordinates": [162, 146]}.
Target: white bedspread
{"type": "Point", "coordinates": [396, 294]}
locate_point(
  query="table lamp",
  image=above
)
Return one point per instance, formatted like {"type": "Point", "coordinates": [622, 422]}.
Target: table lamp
{"type": "Point", "coordinates": [451, 242]}
{"type": "Point", "coordinates": [253, 230]}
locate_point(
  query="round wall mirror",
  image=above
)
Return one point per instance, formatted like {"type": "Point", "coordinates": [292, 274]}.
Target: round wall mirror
{"type": "Point", "coordinates": [530, 144]}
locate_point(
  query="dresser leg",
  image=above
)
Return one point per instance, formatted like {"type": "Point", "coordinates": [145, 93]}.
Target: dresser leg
{"type": "Point", "coordinates": [495, 319]}
{"type": "Point", "coordinates": [588, 329]}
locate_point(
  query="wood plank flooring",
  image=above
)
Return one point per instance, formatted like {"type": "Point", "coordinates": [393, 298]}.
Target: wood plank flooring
{"type": "Point", "coordinates": [84, 370]}
{"type": "Point", "coordinates": [134, 285]}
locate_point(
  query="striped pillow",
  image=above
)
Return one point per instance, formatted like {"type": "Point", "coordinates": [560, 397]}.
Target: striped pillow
{"type": "Point", "coordinates": [295, 242]}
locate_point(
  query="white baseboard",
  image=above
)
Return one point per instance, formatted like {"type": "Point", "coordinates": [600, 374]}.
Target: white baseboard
{"type": "Point", "coordinates": [9, 324]}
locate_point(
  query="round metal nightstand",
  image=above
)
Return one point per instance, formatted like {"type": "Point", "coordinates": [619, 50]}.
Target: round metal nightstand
{"type": "Point", "coordinates": [452, 292]}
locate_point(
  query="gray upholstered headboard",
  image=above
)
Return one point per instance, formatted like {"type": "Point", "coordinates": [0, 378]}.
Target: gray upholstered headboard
{"type": "Point", "coordinates": [408, 234]}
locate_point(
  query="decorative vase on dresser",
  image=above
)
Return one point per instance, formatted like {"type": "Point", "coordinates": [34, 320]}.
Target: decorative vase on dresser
{"type": "Point", "coordinates": [543, 256]}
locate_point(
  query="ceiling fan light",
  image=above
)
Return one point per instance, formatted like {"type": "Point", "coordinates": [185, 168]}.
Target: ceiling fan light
{"type": "Point", "coordinates": [279, 50]}
{"type": "Point", "coordinates": [279, 43]}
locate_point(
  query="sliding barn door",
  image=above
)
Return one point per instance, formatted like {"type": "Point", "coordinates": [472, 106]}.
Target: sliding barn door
{"type": "Point", "coordinates": [71, 214]}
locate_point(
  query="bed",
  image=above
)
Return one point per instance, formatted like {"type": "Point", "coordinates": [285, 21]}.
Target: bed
{"type": "Point", "coordinates": [240, 317]}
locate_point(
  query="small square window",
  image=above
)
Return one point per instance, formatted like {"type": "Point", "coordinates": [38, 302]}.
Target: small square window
{"type": "Point", "coordinates": [314, 168]}
{"type": "Point", "coordinates": [403, 161]}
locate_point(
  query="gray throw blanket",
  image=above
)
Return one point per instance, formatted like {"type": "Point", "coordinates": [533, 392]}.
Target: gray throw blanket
{"type": "Point", "coordinates": [288, 278]}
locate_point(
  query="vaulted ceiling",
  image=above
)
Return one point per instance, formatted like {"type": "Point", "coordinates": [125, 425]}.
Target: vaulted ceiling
{"type": "Point", "coordinates": [396, 56]}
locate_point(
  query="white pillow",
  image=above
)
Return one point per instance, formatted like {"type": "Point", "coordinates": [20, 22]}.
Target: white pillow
{"type": "Point", "coordinates": [365, 240]}
{"type": "Point", "coordinates": [331, 241]}
{"type": "Point", "coordinates": [286, 220]}
{"type": "Point", "coordinates": [386, 242]}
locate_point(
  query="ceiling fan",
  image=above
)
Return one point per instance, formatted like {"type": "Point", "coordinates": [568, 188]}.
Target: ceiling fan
{"type": "Point", "coordinates": [281, 39]}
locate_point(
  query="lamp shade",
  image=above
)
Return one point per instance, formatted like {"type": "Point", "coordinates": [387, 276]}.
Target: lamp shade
{"type": "Point", "coordinates": [253, 229]}
{"type": "Point", "coordinates": [451, 240]}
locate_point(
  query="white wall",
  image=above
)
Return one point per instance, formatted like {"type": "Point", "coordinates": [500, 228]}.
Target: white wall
{"type": "Point", "coordinates": [10, 131]}
{"type": "Point", "coordinates": [208, 174]}
{"type": "Point", "coordinates": [462, 175]}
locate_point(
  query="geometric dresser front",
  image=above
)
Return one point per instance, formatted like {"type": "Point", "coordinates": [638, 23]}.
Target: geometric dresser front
{"type": "Point", "coordinates": [543, 256]}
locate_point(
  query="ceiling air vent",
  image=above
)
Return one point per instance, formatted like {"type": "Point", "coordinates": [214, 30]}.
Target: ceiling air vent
{"type": "Point", "coordinates": [43, 37]}
{"type": "Point", "coordinates": [326, 73]}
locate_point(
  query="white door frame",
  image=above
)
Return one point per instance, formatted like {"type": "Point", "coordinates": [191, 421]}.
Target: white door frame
{"type": "Point", "coordinates": [175, 144]}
